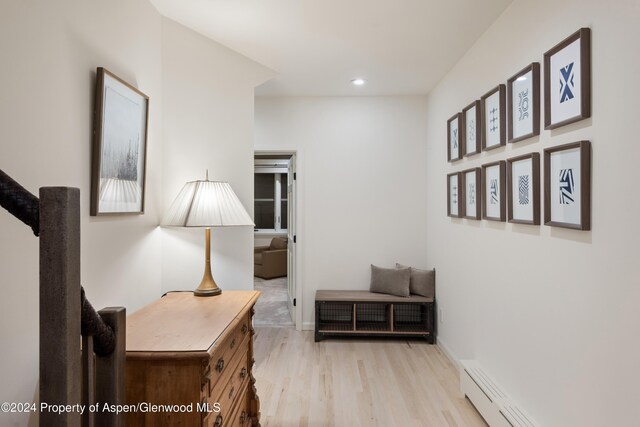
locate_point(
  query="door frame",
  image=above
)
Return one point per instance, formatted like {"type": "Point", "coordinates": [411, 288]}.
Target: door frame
{"type": "Point", "coordinates": [298, 268]}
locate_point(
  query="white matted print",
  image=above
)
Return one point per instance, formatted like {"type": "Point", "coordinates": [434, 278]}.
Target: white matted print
{"type": "Point", "coordinates": [567, 186]}
{"type": "Point", "coordinates": [471, 119]}
{"type": "Point", "coordinates": [471, 180]}
{"type": "Point", "coordinates": [568, 80]}
{"type": "Point", "coordinates": [493, 117]}
{"type": "Point", "coordinates": [453, 194]}
{"type": "Point", "coordinates": [524, 103]}
{"type": "Point", "coordinates": [524, 189]}
{"type": "Point", "coordinates": [494, 192]}
{"type": "Point", "coordinates": [454, 149]}
{"type": "Point", "coordinates": [119, 153]}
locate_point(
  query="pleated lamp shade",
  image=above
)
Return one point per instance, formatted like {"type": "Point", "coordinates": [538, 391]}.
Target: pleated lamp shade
{"type": "Point", "coordinates": [207, 204]}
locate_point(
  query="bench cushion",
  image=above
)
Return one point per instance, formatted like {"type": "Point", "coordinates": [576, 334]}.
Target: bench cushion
{"type": "Point", "coordinates": [366, 296]}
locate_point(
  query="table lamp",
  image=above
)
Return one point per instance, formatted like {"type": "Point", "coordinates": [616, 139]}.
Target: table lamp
{"type": "Point", "coordinates": [207, 204]}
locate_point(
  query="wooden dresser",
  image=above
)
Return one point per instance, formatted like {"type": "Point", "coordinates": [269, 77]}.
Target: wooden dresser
{"type": "Point", "coordinates": [192, 351]}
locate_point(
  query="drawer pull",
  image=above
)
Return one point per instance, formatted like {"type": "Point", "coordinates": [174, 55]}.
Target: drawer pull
{"type": "Point", "coordinates": [243, 417]}
{"type": "Point", "coordinates": [233, 343]}
{"type": "Point", "coordinates": [245, 328]}
{"type": "Point", "coordinates": [218, 422]}
{"type": "Point", "coordinates": [231, 392]}
{"type": "Point", "coordinates": [220, 365]}
{"type": "Point", "coordinates": [243, 373]}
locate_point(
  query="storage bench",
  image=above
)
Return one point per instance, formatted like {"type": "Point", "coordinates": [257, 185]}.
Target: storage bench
{"type": "Point", "coordinates": [364, 313]}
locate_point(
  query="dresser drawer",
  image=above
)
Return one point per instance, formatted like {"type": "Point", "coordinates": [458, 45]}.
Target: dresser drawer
{"type": "Point", "coordinates": [223, 355]}
{"type": "Point", "coordinates": [229, 395]}
{"type": "Point", "coordinates": [242, 414]}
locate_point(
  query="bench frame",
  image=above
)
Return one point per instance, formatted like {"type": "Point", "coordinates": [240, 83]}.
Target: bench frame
{"type": "Point", "coordinates": [366, 314]}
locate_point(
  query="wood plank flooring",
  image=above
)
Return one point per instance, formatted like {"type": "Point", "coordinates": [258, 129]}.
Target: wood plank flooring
{"type": "Point", "coordinates": [349, 382]}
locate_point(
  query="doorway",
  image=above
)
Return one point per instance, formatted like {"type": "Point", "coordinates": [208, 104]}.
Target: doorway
{"type": "Point", "coordinates": [275, 195]}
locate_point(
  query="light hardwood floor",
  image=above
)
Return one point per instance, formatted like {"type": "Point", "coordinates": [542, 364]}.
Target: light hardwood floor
{"type": "Point", "coordinates": [348, 382]}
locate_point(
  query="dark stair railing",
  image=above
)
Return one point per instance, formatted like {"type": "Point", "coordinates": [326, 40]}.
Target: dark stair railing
{"type": "Point", "coordinates": [69, 375]}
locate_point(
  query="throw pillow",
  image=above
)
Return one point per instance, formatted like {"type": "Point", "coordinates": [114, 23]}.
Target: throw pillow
{"type": "Point", "coordinates": [422, 282]}
{"type": "Point", "coordinates": [392, 281]}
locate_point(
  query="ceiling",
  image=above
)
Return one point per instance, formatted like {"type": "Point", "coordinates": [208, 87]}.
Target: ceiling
{"type": "Point", "coordinates": [318, 46]}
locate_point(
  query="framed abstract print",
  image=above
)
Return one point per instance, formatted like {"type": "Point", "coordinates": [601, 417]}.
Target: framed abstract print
{"type": "Point", "coordinates": [494, 193]}
{"type": "Point", "coordinates": [523, 103]}
{"type": "Point", "coordinates": [471, 118]}
{"type": "Point", "coordinates": [119, 147]}
{"type": "Point", "coordinates": [471, 193]}
{"type": "Point", "coordinates": [493, 118]}
{"type": "Point", "coordinates": [567, 186]}
{"type": "Point", "coordinates": [454, 150]}
{"type": "Point", "coordinates": [454, 195]}
{"type": "Point", "coordinates": [523, 187]}
{"type": "Point", "coordinates": [567, 80]}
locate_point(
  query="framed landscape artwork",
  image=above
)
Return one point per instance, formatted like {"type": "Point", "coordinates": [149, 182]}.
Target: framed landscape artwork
{"type": "Point", "coordinates": [471, 185]}
{"type": "Point", "coordinates": [567, 80]}
{"type": "Point", "coordinates": [119, 147]}
{"type": "Point", "coordinates": [523, 187]}
{"type": "Point", "coordinates": [567, 186]}
{"type": "Point", "coordinates": [454, 150]}
{"type": "Point", "coordinates": [523, 103]}
{"type": "Point", "coordinates": [493, 118]}
{"type": "Point", "coordinates": [471, 118]}
{"type": "Point", "coordinates": [454, 196]}
{"type": "Point", "coordinates": [493, 191]}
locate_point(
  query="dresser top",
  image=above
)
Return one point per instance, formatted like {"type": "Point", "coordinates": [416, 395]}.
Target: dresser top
{"type": "Point", "coordinates": [181, 322]}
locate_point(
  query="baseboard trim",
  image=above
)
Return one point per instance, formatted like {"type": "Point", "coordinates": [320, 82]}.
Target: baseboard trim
{"type": "Point", "coordinates": [442, 345]}
{"type": "Point", "coordinates": [308, 326]}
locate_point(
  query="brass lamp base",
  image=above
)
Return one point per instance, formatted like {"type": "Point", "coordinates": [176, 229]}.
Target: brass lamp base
{"type": "Point", "coordinates": [208, 286]}
{"type": "Point", "coordinates": [207, 292]}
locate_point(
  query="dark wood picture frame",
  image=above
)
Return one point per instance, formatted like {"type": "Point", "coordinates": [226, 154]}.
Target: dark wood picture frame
{"type": "Point", "coordinates": [584, 36]}
{"type": "Point", "coordinates": [584, 182]}
{"type": "Point", "coordinates": [535, 174]}
{"type": "Point", "coordinates": [459, 195]}
{"type": "Point", "coordinates": [477, 214]}
{"type": "Point", "coordinates": [450, 157]}
{"type": "Point", "coordinates": [502, 166]}
{"type": "Point", "coordinates": [477, 130]}
{"type": "Point", "coordinates": [133, 163]}
{"type": "Point", "coordinates": [534, 69]}
{"type": "Point", "coordinates": [501, 89]}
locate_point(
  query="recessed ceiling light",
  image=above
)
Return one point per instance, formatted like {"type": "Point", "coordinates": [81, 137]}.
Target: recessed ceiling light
{"type": "Point", "coordinates": [358, 82]}
{"type": "Point", "coordinates": [521, 79]}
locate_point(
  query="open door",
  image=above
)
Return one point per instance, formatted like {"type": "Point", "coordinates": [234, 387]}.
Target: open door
{"type": "Point", "coordinates": [291, 234]}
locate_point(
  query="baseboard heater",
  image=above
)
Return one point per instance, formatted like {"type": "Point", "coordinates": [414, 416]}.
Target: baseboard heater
{"type": "Point", "coordinates": [497, 409]}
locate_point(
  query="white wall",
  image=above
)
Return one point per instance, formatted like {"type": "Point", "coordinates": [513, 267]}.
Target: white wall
{"type": "Point", "coordinates": [551, 313]}
{"type": "Point", "coordinates": [208, 124]}
{"type": "Point", "coordinates": [361, 182]}
{"type": "Point", "coordinates": [49, 52]}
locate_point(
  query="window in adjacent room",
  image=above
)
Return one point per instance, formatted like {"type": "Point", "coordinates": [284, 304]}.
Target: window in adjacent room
{"type": "Point", "coordinates": [270, 194]}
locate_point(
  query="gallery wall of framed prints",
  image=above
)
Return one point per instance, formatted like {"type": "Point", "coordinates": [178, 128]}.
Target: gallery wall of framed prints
{"type": "Point", "coordinates": [510, 190]}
